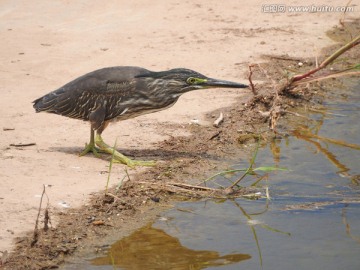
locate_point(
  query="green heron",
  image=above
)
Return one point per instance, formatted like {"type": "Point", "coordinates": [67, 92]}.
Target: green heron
{"type": "Point", "coordinates": [120, 93]}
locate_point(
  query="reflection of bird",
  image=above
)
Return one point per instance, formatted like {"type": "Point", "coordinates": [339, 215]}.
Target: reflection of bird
{"type": "Point", "coordinates": [120, 93]}
{"type": "Point", "coordinates": [152, 248]}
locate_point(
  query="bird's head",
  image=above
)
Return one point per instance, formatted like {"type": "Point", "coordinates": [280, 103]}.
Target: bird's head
{"type": "Point", "coordinates": [181, 80]}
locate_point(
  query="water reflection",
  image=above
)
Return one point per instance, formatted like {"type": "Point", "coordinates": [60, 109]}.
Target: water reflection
{"type": "Point", "coordinates": [348, 226]}
{"type": "Point", "coordinates": [305, 134]}
{"type": "Point", "coordinates": [151, 248]}
{"type": "Point", "coordinates": [327, 131]}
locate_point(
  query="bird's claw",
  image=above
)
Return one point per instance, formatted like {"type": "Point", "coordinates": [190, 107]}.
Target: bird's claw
{"type": "Point", "coordinates": [90, 148]}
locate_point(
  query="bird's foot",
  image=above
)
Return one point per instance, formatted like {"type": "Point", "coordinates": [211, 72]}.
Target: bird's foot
{"type": "Point", "coordinates": [130, 162]}
{"type": "Point", "coordinates": [90, 148]}
{"type": "Point", "coordinates": [118, 157]}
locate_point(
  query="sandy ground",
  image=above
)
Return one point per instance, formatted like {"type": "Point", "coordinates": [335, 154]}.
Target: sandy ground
{"type": "Point", "coordinates": [45, 44]}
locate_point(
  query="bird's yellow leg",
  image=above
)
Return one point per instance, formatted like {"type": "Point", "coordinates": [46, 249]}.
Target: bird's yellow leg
{"type": "Point", "coordinates": [90, 147]}
{"type": "Point", "coordinates": [118, 157]}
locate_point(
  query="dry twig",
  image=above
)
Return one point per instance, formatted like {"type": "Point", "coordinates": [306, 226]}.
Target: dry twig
{"type": "Point", "coordinates": [252, 87]}
{"type": "Point", "coordinates": [325, 63]}
{"type": "Point", "coordinates": [46, 220]}
{"type": "Point", "coordinates": [22, 144]}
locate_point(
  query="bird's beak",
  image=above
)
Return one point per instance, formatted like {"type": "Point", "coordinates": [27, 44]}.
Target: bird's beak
{"type": "Point", "coordinates": [222, 84]}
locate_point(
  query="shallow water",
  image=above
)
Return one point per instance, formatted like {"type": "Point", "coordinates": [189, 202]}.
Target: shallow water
{"type": "Point", "coordinates": [311, 222]}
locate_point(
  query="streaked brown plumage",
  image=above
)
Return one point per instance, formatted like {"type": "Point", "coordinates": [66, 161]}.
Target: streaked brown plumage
{"type": "Point", "coordinates": [120, 93]}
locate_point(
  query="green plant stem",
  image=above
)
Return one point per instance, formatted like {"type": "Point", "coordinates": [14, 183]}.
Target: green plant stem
{"type": "Point", "coordinates": [110, 167]}
{"type": "Point", "coordinates": [222, 173]}
{"type": "Point", "coordinates": [250, 168]}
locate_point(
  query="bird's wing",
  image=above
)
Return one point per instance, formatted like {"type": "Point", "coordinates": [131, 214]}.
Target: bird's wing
{"type": "Point", "coordinates": [120, 88]}
{"type": "Point", "coordinates": [106, 88]}
{"type": "Point", "coordinates": [116, 95]}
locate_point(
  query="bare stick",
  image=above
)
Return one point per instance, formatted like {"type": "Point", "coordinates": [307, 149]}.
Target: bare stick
{"type": "Point", "coordinates": [327, 61]}
{"type": "Point", "coordinates": [280, 57]}
{"type": "Point", "coordinates": [36, 230]}
{"type": "Point", "coordinates": [252, 87]}
{"type": "Point", "coordinates": [115, 197]}
{"type": "Point", "coordinates": [190, 186]}
{"type": "Point", "coordinates": [215, 135]}
{"type": "Point", "coordinates": [8, 129]}
{"type": "Point", "coordinates": [324, 77]}
{"type": "Point", "coordinates": [22, 144]}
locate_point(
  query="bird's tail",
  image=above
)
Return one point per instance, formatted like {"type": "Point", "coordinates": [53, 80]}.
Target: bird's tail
{"type": "Point", "coordinates": [46, 103]}
{"type": "Point", "coordinates": [39, 105]}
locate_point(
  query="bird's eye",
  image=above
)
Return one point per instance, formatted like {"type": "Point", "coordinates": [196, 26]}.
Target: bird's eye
{"type": "Point", "coordinates": [191, 80]}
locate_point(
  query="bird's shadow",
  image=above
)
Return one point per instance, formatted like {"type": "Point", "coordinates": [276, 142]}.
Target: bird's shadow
{"type": "Point", "coordinates": [159, 154]}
